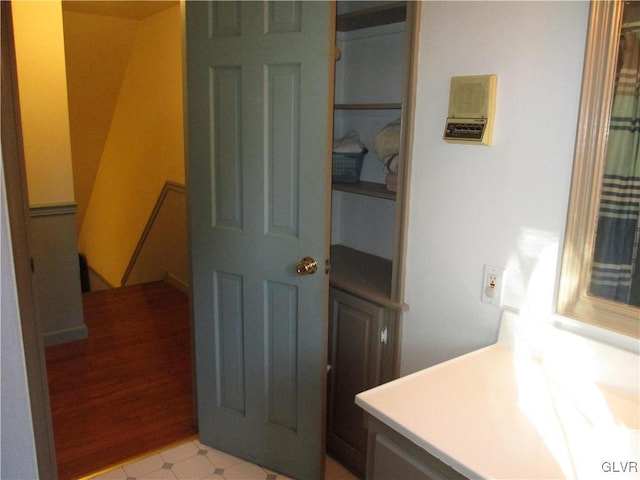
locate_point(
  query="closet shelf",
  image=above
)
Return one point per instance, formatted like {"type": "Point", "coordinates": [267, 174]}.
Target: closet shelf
{"type": "Point", "coordinates": [364, 275]}
{"type": "Point", "coordinates": [372, 17]}
{"type": "Point", "coordinates": [370, 189]}
{"type": "Point", "coordinates": [367, 106]}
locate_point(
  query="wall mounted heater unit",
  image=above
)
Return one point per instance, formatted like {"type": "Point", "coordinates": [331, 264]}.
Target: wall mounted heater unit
{"type": "Point", "coordinates": [472, 104]}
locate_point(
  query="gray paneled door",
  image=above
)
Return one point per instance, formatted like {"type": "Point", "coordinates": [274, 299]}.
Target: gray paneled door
{"type": "Point", "coordinates": [258, 80]}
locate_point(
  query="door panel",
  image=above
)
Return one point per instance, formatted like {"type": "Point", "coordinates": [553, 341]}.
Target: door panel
{"type": "Point", "coordinates": [259, 133]}
{"type": "Point", "coordinates": [227, 175]}
{"type": "Point", "coordinates": [283, 142]}
{"type": "Point", "coordinates": [282, 330]}
{"type": "Point", "coordinates": [228, 325]}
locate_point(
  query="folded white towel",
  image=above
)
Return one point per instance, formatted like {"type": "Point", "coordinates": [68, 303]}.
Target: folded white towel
{"type": "Point", "coordinates": [391, 162]}
{"type": "Point", "coordinates": [386, 144]}
{"type": "Point", "coordinates": [350, 143]}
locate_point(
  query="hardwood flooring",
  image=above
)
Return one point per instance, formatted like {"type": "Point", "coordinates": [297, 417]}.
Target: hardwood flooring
{"type": "Point", "coordinates": [127, 388]}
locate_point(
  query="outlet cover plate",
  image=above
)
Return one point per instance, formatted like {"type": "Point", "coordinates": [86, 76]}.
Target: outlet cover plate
{"type": "Point", "coordinates": [492, 283]}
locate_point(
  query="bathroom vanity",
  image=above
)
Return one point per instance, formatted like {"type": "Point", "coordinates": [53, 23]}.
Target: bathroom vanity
{"type": "Point", "coordinates": [540, 403]}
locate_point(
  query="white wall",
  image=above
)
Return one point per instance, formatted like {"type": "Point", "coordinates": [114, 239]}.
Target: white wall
{"type": "Point", "coordinates": [17, 444]}
{"type": "Point", "coordinates": [361, 222]}
{"type": "Point", "coordinates": [502, 205]}
{"type": "Point", "coordinates": [54, 250]}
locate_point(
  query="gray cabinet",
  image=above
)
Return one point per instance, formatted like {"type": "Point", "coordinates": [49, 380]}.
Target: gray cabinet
{"type": "Point", "coordinates": [362, 338]}
{"type": "Point", "coordinates": [393, 457]}
{"type": "Point", "coordinates": [373, 86]}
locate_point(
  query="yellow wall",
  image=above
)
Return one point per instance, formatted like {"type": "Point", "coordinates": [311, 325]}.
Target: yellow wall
{"type": "Point", "coordinates": [144, 147]}
{"type": "Point", "coordinates": [42, 83]}
{"type": "Point", "coordinates": [97, 54]}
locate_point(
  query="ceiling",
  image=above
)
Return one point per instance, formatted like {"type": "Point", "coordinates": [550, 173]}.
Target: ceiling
{"type": "Point", "coordinates": [118, 8]}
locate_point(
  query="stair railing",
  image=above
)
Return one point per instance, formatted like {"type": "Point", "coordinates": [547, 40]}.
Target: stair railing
{"type": "Point", "coordinates": [169, 186]}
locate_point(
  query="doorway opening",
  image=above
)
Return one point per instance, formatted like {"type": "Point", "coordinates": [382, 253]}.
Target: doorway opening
{"type": "Point", "coordinates": [125, 130]}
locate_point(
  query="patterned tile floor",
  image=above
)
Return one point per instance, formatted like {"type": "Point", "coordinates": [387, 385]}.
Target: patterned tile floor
{"type": "Point", "coordinates": [192, 460]}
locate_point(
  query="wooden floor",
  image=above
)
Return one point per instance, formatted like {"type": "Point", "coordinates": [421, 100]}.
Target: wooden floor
{"type": "Point", "coordinates": [127, 389]}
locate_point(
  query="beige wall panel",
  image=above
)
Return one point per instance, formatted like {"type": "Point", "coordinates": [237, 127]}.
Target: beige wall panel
{"type": "Point", "coordinates": [144, 147]}
{"type": "Point", "coordinates": [42, 82]}
{"type": "Point", "coordinates": [97, 51]}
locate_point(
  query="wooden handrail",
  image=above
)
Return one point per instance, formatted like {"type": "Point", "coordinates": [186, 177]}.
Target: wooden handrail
{"type": "Point", "coordinates": [168, 187]}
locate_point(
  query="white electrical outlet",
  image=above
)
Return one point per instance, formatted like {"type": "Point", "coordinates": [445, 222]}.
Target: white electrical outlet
{"type": "Point", "coordinates": [492, 285]}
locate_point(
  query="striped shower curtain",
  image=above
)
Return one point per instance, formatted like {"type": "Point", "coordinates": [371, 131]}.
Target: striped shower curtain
{"type": "Point", "coordinates": [616, 269]}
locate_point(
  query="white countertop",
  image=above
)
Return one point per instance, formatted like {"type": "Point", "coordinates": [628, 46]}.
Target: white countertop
{"type": "Point", "coordinates": [513, 411]}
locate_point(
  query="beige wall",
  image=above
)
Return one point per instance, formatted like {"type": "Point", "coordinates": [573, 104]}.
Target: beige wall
{"type": "Point", "coordinates": [42, 86]}
{"type": "Point", "coordinates": [97, 54]}
{"type": "Point", "coordinates": [39, 43]}
{"type": "Point", "coordinates": [143, 148]}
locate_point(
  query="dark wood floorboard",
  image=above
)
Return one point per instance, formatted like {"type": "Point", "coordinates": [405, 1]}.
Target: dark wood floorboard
{"type": "Point", "coordinates": [127, 388]}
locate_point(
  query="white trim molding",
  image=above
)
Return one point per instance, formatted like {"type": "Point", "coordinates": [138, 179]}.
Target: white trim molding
{"type": "Point", "coordinates": [70, 208]}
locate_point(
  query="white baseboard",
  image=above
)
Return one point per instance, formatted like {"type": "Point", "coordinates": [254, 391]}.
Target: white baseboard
{"type": "Point", "coordinates": [176, 282]}
{"type": "Point", "coordinates": [97, 281]}
{"type": "Point", "coordinates": [64, 336]}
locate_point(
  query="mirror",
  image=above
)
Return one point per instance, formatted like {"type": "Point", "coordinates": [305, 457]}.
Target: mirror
{"type": "Point", "coordinates": [599, 281]}
{"type": "Point", "coordinates": [615, 272]}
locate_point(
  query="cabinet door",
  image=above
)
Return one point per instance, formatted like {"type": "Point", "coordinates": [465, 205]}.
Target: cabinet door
{"type": "Point", "coordinates": [356, 353]}
{"type": "Point", "coordinates": [390, 461]}
{"type": "Point", "coordinates": [392, 456]}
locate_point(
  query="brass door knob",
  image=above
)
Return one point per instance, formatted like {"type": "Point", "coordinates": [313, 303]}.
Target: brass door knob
{"type": "Point", "coordinates": [307, 266]}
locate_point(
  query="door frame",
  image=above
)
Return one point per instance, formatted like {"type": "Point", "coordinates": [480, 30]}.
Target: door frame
{"type": "Point", "coordinates": [19, 217]}
{"type": "Point", "coordinates": [18, 209]}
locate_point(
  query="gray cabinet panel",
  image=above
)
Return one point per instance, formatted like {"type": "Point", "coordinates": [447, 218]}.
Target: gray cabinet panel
{"type": "Point", "coordinates": [357, 354]}
{"type": "Point", "coordinates": [391, 456]}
